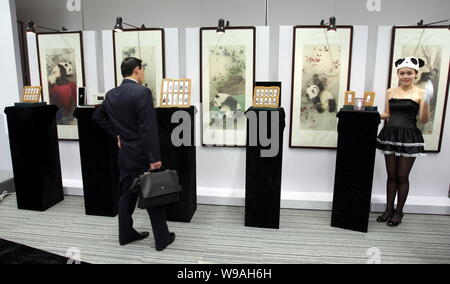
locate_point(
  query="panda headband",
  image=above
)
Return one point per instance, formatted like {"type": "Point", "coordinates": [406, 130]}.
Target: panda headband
{"type": "Point", "coordinates": [410, 62]}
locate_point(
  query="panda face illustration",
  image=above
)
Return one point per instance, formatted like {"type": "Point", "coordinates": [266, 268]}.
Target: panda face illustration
{"type": "Point", "coordinates": [68, 67]}
{"type": "Point", "coordinates": [57, 72]}
{"type": "Point", "coordinates": [54, 74]}
{"type": "Point", "coordinates": [226, 103]}
{"type": "Point", "coordinates": [312, 91]}
{"type": "Point", "coordinates": [219, 99]}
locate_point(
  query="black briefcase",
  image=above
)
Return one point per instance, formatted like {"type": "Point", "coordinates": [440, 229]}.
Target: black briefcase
{"type": "Point", "coordinates": [157, 188]}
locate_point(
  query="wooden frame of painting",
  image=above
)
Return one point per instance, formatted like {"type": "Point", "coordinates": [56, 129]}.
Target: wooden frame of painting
{"type": "Point", "coordinates": [226, 87]}
{"type": "Point", "coordinates": [432, 44]}
{"type": "Point", "coordinates": [61, 66]}
{"type": "Point", "coordinates": [149, 46]}
{"type": "Point", "coordinates": [321, 68]}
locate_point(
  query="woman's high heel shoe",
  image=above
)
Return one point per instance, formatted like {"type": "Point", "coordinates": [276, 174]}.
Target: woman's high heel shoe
{"type": "Point", "coordinates": [384, 218]}
{"type": "Point", "coordinates": [395, 223]}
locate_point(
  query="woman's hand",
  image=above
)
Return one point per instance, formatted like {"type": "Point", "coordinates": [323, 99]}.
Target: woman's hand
{"type": "Point", "coordinates": [118, 142]}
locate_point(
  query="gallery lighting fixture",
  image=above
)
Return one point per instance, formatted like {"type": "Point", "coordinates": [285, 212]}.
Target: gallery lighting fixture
{"type": "Point", "coordinates": [31, 28]}
{"type": "Point", "coordinates": [421, 24]}
{"type": "Point", "coordinates": [119, 25]}
{"type": "Point", "coordinates": [221, 27]}
{"type": "Point", "coordinates": [331, 25]}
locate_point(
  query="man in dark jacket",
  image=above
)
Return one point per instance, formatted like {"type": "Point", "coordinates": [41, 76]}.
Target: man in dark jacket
{"type": "Point", "coordinates": [128, 115]}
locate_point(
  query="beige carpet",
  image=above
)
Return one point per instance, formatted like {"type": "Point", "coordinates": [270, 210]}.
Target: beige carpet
{"type": "Point", "coordinates": [217, 235]}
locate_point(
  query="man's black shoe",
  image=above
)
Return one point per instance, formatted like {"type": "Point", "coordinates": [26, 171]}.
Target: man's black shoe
{"type": "Point", "coordinates": [141, 236]}
{"type": "Point", "coordinates": [171, 240]}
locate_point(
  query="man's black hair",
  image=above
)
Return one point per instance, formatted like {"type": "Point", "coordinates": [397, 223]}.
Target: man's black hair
{"type": "Point", "coordinates": [128, 65]}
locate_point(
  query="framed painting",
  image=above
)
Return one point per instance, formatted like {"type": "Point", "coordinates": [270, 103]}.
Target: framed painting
{"type": "Point", "coordinates": [147, 45]}
{"type": "Point", "coordinates": [320, 78]}
{"type": "Point", "coordinates": [227, 78]}
{"type": "Point", "coordinates": [60, 57]}
{"type": "Point", "coordinates": [432, 44]}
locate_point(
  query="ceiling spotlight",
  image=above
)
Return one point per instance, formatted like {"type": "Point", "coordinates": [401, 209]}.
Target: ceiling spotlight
{"type": "Point", "coordinates": [119, 25]}
{"type": "Point", "coordinates": [221, 27]}
{"type": "Point", "coordinates": [30, 27]}
{"type": "Point", "coordinates": [421, 24]}
{"type": "Point", "coordinates": [332, 25]}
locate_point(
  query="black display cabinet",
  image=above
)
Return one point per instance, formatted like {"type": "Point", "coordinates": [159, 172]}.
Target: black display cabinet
{"type": "Point", "coordinates": [263, 174]}
{"type": "Point", "coordinates": [181, 159]}
{"type": "Point", "coordinates": [354, 169]}
{"type": "Point", "coordinates": [33, 139]}
{"type": "Point", "coordinates": [99, 166]}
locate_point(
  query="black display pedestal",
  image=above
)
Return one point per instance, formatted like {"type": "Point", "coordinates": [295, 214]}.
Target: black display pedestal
{"type": "Point", "coordinates": [263, 175]}
{"type": "Point", "coordinates": [182, 159]}
{"type": "Point", "coordinates": [99, 166]}
{"type": "Point", "coordinates": [33, 139]}
{"type": "Point", "coordinates": [354, 169]}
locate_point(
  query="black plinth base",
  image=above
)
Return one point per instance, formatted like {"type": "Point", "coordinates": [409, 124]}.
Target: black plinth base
{"type": "Point", "coordinates": [263, 176]}
{"type": "Point", "coordinates": [182, 159]}
{"type": "Point", "coordinates": [99, 166]}
{"type": "Point", "coordinates": [354, 169]}
{"type": "Point", "coordinates": [33, 139]}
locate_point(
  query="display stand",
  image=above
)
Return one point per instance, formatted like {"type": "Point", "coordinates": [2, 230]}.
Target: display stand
{"type": "Point", "coordinates": [33, 139]}
{"type": "Point", "coordinates": [181, 159]}
{"type": "Point", "coordinates": [354, 169]}
{"type": "Point", "coordinates": [99, 168]}
{"type": "Point", "coordinates": [263, 176]}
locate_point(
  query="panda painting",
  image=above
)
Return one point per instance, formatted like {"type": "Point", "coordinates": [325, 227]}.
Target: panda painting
{"type": "Point", "coordinates": [322, 99]}
{"type": "Point", "coordinates": [228, 106]}
{"type": "Point", "coordinates": [63, 92]}
{"type": "Point", "coordinates": [226, 103]}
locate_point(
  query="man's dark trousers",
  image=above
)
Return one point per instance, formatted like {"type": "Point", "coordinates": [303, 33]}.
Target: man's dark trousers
{"type": "Point", "coordinates": [127, 205]}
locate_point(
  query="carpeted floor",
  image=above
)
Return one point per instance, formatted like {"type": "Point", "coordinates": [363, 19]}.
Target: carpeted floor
{"type": "Point", "coordinates": [14, 253]}
{"type": "Point", "coordinates": [217, 235]}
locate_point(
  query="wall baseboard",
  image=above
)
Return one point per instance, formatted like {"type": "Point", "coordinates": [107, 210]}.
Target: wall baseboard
{"type": "Point", "coordinates": [297, 200]}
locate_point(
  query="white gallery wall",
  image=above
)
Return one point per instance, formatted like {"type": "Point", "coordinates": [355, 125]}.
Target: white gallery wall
{"type": "Point", "coordinates": [10, 74]}
{"type": "Point", "coordinates": [308, 174]}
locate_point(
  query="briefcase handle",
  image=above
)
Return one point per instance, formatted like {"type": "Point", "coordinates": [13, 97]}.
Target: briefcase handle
{"type": "Point", "coordinates": [135, 186]}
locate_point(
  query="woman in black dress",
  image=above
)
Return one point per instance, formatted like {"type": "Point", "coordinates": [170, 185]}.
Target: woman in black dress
{"type": "Point", "coordinates": [400, 139]}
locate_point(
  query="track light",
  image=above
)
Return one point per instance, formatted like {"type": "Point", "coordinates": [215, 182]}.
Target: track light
{"type": "Point", "coordinates": [331, 25]}
{"type": "Point", "coordinates": [221, 27]}
{"type": "Point", "coordinates": [119, 25]}
{"type": "Point", "coordinates": [31, 28]}
{"type": "Point", "coordinates": [421, 24]}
